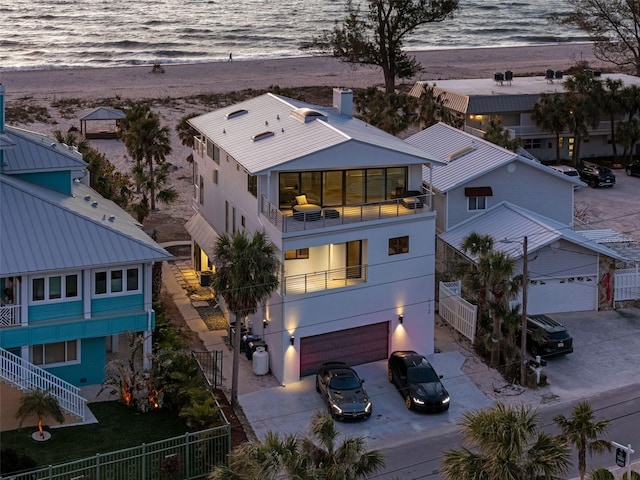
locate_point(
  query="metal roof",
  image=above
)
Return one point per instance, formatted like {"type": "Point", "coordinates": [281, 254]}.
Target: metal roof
{"type": "Point", "coordinates": [623, 244]}
{"type": "Point", "coordinates": [35, 152]}
{"type": "Point", "coordinates": [509, 222]}
{"type": "Point", "coordinates": [104, 113]}
{"type": "Point", "coordinates": [43, 230]}
{"type": "Point", "coordinates": [466, 157]}
{"type": "Point", "coordinates": [267, 134]}
{"type": "Point", "coordinates": [203, 233]}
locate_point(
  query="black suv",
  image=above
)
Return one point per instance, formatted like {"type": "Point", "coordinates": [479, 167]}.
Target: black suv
{"type": "Point", "coordinates": [633, 169]}
{"type": "Point", "coordinates": [546, 337]}
{"type": "Point", "coordinates": [597, 176]}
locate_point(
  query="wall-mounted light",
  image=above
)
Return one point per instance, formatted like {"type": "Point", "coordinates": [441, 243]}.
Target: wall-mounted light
{"type": "Point", "coordinates": [265, 323]}
{"type": "Point", "coordinates": [292, 340]}
{"type": "Point", "coordinates": [401, 319]}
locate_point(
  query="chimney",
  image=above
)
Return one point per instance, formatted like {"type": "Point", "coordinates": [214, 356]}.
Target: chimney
{"type": "Point", "coordinates": [343, 101]}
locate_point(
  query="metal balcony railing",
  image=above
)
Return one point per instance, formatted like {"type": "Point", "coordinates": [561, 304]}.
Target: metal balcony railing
{"type": "Point", "coordinates": [325, 280]}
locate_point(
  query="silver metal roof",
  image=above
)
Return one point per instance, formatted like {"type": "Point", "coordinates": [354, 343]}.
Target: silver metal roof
{"type": "Point", "coordinates": [43, 230]}
{"type": "Point", "coordinates": [34, 152]}
{"type": "Point", "coordinates": [509, 222]}
{"type": "Point", "coordinates": [203, 233]}
{"type": "Point", "coordinates": [103, 113]}
{"type": "Point", "coordinates": [466, 157]}
{"type": "Point", "coordinates": [292, 137]}
{"type": "Point", "coordinates": [623, 244]}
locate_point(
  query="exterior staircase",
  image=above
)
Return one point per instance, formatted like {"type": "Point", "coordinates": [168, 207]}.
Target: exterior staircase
{"type": "Point", "coordinates": [18, 376]}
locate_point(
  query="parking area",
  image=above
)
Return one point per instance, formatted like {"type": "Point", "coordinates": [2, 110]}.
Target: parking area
{"type": "Point", "coordinates": [606, 356]}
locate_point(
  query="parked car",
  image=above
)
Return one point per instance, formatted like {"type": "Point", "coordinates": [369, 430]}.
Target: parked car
{"type": "Point", "coordinates": [633, 169]}
{"type": "Point", "coordinates": [343, 391]}
{"type": "Point", "coordinates": [547, 337]}
{"type": "Point", "coordinates": [597, 176]}
{"type": "Point", "coordinates": [566, 169]}
{"type": "Point", "coordinates": [417, 382]}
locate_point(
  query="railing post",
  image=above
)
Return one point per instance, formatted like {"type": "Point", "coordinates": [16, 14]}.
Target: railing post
{"type": "Point", "coordinates": [144, 460]}
{"type": "Point", "coordinates": [187, 469]}
{"type": "Point", "coordinates": [97, 466]}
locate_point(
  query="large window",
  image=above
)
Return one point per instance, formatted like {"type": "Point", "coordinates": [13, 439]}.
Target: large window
{"type": "Point", "coordinates": [252, 185]}
{"type": "Point", "coordinates": [117, 281]}
{"type": "Point", "coordinates": [477, 203]}
{"type": "Point", "coordinates": [299, 254]}
{"type": "Point", "coordinates": [55, 353]}
{"type": "Point", "coordinates": [54, 287]}
{"type": "Point", "coordinates": [398, 245]}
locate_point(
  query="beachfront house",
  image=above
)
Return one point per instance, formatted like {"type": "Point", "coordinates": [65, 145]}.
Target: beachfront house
{"type": "Point", "coordinates": [490, 190]}
{"type": "Point", "coordinates": [343, 203]}
{"type": "Point", "coordinates": [75, 272]}
{"type": "Point", "coordinates": [478, 101]}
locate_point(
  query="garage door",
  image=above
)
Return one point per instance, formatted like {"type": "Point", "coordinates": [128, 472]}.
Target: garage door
{"type": "Point", "coordinates": [353, 346]}
{"type": "Point", "coordinates": [576, 294]}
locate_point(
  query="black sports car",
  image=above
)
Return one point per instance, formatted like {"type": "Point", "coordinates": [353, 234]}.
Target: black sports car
{"type": "Point", "coordinates": [342, 389]}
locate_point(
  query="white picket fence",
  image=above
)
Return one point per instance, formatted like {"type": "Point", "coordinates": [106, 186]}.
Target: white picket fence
{"type": "Point", "coordinates": [456, 311]}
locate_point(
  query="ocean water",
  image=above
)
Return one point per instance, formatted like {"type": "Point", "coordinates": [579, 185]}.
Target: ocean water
{"type": "Point", "coordinates": [44, 34]}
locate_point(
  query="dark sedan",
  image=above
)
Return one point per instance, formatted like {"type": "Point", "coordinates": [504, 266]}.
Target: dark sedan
{"type": "Point", "coordinates": [342, 389]}
{"type": "Point", "coordinates": [417, 382]}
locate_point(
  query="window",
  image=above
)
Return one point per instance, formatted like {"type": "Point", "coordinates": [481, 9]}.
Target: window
{"type": "Point", "coordinates": [299, 254]}
{"type": "Point", "coordinates": [243, 221]}
{"type": "Point", "coordinates": [477, 203]}
{"type": "Point", "coordinates": [54, 287]}
{"type": "Point", "coordinates": [117, 281]}
{"type": "Point", "coordinates": [213, 151]}
{"type": "Point", "coordinates": [252, 185]}
{"type": "Point", "coordinates": [532, 143]}
{"type": "Point", "coordinates": [398, 245]}
{"type": "Point", "coordinates": [195, 180]}
{"type": "Point", "coordinates": [201, 195]}
{"type": "Point", "coordinates": [215, 176]}
{"type": "Point", "coordinates": [55, 353]}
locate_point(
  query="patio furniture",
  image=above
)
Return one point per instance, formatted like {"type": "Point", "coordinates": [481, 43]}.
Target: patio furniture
{"type": "Point", "coordinates": [413, 199]}
{"type": "Point", "coordinates": [307, 212]}
{"type": "Point", "coordinates": [331, 213]}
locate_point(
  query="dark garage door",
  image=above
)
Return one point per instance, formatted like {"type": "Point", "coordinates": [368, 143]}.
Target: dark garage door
{"type": "Point", "coordinates": [353, 346]}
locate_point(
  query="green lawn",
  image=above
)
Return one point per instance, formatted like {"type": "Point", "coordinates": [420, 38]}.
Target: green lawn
{"type": "Point", "coordinates": [118, 427]}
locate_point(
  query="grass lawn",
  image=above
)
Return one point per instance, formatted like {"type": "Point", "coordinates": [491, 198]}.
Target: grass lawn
{"type": "Point", "coordinates": [118, 427]}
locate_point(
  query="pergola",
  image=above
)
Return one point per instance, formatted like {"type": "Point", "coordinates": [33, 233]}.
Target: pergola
{"type": "Point", "coordinates": [107, 120]}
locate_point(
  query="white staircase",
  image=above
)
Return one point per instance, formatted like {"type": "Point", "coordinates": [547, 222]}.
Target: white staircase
{"type": "Point", "coordinates": [27, 376]}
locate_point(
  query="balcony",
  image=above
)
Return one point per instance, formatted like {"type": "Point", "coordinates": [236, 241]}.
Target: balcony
{"type": "Point", "coordinates": [9, 316]}
{"type": "Point", "coordinates": [326, 280]}
{"type": "Point", "coordinates": [290, 221]}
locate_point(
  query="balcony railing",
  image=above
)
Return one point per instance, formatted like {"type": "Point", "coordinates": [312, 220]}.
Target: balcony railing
{"type": "Point", "coordinates": [325, 280]}
{"type": "Point", "coordinates": [289, 221]}
{"type": "Point", "coordinates": [9, 316]}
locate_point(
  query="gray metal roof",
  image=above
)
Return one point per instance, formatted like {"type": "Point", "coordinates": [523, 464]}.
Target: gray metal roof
{"type": "Point", "coordinates": [623, 244]}
{"type": "Point", "coordinates": [104, 113]}
{"type": "Point", "coordinates": [466, 157]}
{"type": "Point", "coordinates": [43, 230]}
{"type": "Point", "coordinates": [508, 221]}
{"type": "Point", "coordinates": [291, 137]}
{"type": "Point", "coordinates": [203, 233]}
{"type": "Point", "coordinates": [35, 152]}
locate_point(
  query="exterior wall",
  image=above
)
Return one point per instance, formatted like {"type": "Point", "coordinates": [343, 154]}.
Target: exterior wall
{"type": "Point", "coordinates": [90, 370]}
{"type": "Point", "coordinates": [525, 186]}
{"type": "Point", "coordinates": [58, 181]}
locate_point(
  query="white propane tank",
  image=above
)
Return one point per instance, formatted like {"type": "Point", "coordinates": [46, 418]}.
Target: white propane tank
{"type": "Point", "coordinates": [260, 361]}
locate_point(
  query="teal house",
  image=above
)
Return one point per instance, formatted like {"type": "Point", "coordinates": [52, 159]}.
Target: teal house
{"type": "Point", "coordinates": [75, 269]}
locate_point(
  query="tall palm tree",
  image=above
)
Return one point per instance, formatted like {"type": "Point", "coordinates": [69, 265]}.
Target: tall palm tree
{"type": "Point", "coordinates": [432, 108]}
{"type": "Point", "coordinates": [506, 443]}
{"type": "Point", "coordinates": [186, 132]}
{"type": "Point", "coordinates": [496, 134]}
{"type": "Point", "coordinates": [610, 101]}
{"type": "Point", "coordinates": [391, 112]}
{"type": "Point", "coordinates": [550, 114]}
{"type": "Point", "coordinates": [246, 275]}
{"type": "Point", "coordinates": [40, 403]}
{"type": "Point", "coordinates": [600, 474]}
{"type": "Point", "coordinates": [583, 431]}
{"type": "Point", "coordinates": [347, 461]}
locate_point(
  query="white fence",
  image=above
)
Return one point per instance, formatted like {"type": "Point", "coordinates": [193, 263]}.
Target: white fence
{"type": "Point", "coordinates": [456, 311]}
{"type": "Point", "coordinates": [626, 284]}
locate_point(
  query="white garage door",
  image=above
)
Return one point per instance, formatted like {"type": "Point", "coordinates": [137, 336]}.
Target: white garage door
{"type": "Point", "coordinates": [574, 294]}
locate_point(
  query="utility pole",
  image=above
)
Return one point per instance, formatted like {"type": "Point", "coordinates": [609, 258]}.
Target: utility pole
{"type": "Point", "coordinates": [523, 331]}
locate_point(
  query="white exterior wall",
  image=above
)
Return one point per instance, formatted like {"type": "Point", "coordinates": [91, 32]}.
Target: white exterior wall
{"type": "Point", "coordinates": [524, 186]}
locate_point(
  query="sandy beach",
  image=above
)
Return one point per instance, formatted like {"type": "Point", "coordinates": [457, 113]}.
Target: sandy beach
{"type": "Point", "coordinates": [182, 80]}
{"type": "Point", "coordinates": [41, 88]}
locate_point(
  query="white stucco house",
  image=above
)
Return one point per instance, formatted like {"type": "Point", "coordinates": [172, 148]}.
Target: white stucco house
{"type": "Point", "coordinates": [342, 201]}
{"type": "Point", "coordinates": [489, 190]}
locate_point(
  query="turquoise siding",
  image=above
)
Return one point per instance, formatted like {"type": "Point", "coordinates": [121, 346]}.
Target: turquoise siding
{"type": "Point", "coordinates": [90, 371]}
{"type": "Point", "coordinates": [59, 311]}
{"type": "Point", "coordinates": [58, 181]}
{"type": "Point", "coordinates": [117, 305]}
{"type": "Point", "coordinates": [35, 334]}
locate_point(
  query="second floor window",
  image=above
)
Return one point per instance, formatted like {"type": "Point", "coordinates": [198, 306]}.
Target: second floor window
{"type": "Point", "coordinates": [117, 281]}
{"type": "Point", "coordinates": [398, 245]}
{"type": "Point", "coordinates": [54, 287]}
{"type": "Point", "coordinates": [299, 254]}
{"type": "Point", "coordinates": [477, 203]}
{"type": "Point", "coordinates": [252, 185]}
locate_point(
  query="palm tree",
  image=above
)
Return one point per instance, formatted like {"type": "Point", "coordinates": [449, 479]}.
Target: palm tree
{"type": "Point", "coordinates": [506, 443]}
{"type": "Point", "coordinates": [583, 431]}
{"type": "Point", "coordinates": [432, 108]}
{"type": "Point", "coordinates": [391, 112]}
{"type": "Point", "coordinates": [40, 403]}
{"type": "Point", "coordinates": [186, 132]}
{"type": "Point", "coordinates": [496, 134]}
{"type": "Point", "coordinates": [610, 101]}
{"type": "Point", "coordinates": [347, 461]}
{"type": "Point", "coordinates": [246, 275]}
{"type": "Point", "coordinates": [600, 474]}
{"type": "Point", "coordinates": [550, 114]}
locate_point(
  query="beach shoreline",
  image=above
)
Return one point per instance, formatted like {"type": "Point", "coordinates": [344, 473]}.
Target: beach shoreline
{"type": "Point", "coordinates": [180, 80]}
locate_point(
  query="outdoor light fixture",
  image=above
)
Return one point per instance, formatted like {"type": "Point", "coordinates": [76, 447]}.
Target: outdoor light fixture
{"type": "Point", "coordinates": [401, 319]}
{"type": "Point", "coordinates": [292, 340]}
{"type": "Point", "coordinates": [265, 323]}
